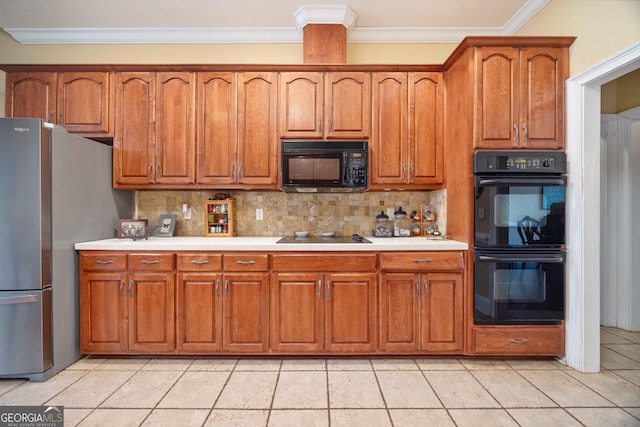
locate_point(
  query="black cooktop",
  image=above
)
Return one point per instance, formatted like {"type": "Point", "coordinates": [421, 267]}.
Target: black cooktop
{"type": "Point", "coordinates": [317, 239]}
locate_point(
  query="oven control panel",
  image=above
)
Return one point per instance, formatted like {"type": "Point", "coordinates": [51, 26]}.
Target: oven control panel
{"type": "Point", "coordinates": [519, 162]}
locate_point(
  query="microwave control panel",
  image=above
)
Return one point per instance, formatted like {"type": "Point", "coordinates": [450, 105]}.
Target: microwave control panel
{"type": "Point", "coordinates": [357, 168]}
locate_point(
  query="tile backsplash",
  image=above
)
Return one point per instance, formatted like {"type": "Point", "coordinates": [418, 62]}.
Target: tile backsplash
{"type": "Point", "coordinates": [285, 213]}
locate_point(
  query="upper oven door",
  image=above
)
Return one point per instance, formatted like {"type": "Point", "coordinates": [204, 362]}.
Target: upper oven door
{"type": "Point", "coordinates": [519, 211]}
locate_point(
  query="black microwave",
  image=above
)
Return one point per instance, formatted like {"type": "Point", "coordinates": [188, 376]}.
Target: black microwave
{"type": "Point", "coordinates": [323, 166]}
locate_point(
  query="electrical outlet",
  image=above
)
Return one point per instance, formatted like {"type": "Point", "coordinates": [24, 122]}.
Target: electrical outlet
{"type": "Point", "coordinates": [259, 214]}
{"type": "Point", "coordinates": [390, 212]}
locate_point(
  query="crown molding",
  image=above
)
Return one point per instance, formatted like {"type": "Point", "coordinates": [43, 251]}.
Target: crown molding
{"type": "Point", "coordinates": [326, 14]}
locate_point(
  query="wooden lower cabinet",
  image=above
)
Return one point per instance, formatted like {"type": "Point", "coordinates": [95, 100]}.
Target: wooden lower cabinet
{"type": "Point", "coordinates": [421, 312]}
{"type": "Point", "coordinates": [129, 311]}
{"type": "Point", "coordinates": [222, 312]}
{"type": "Point", "coordinates": [316, 312]}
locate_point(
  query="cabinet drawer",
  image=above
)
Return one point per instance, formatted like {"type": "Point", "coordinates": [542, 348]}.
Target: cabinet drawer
{"type": "Point", "coordinates": [421, 261]}
{"type": "Point", "coordinates": [246, 262]}
{"type": "Point", "coordinates": [199, 262]}
{"type": "Point", "coordinates": [519, 341]}
{"type": "Point", "coordinates": [103, 261]}
{"type": "Point", "coordinates": [150, 261]}
{"type": "Point", "coordinates": [324, 262]}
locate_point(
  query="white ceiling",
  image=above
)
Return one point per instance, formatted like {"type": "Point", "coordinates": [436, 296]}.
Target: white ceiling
{"type": "Point", "coordinates": [258, 21]}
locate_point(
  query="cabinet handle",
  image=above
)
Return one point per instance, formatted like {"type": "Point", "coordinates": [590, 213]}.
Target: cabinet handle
{"type": "Point", "coordinates": [404, 171]}
{"type": "Point", "coordinates": [199, 262]}
{"type": "Point", "coordinates": [422, 260]}
{"type": "Point", "coordinates": [152, 261]}
{"type": "Point", "coordinates": [462, 258]}
{"type": "Point", "coordinates": [130, 288]}
{"type": "Point", "coordinates": [245, 262]}
{"type": "Point", "coordinates": [218, 288]}
{"type": "Point", "coordinates": [122, 288]}
{"type": "Point", "coordinates": [330, 124]}
{"type": "Point", "coordinates": [150, 171]}
{"type": "Point", "coordinates": [425, 283]}
{"type": "Point", "coordinates": [60, 118]}
{"type": "Point", "coordinates": [328, 289]}
{"type": "Point", "coordinates": [319, 124]}
{"type": "Point", "coordinates": [233, 171]}
{"type": "Point", "coordinates": [515, 341]}
{"type": "Point", "coordinates": [525, 131]}
{"type": "Point", "coordinates": [50, 116]}
{"type": "Point", "coordinates": [100, 262]}
{"type": "Point", "coordinates": [240, 171]}
{"type": "Point", "coordinates": [515, 136]}
{"type": "Point", "coordinates": [417, 288]}
{"type": "Point", "coordinates": [411, 169]}
{"type": "Point", "coordinates": [226, 289]}
{"type": "Point", "coordinates": [157, 171]}
{"type": "Point", "coordinates": [319, 288]}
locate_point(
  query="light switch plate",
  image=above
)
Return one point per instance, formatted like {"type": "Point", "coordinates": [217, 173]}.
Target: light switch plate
{"type": "Point", "coordinates": [259, 214]}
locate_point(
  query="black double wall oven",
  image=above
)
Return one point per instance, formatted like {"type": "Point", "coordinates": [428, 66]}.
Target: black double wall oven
{"type": "Point", "coordinates": [519, 237]}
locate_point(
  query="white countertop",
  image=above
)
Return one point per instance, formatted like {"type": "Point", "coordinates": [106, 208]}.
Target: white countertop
{"type": "Point", "coordinates": [251, 243]}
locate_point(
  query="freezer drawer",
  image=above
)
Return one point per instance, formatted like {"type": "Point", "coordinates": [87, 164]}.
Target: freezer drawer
{"type": "Point", "coordinates": [25, 332]}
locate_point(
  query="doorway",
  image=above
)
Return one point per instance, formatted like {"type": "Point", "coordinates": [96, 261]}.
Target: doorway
{"type": "Point", "coordinates": [583, 202]}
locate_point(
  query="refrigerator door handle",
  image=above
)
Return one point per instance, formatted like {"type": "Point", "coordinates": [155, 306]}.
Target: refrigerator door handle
{"type": "Point", "coordinates": [18, 300]}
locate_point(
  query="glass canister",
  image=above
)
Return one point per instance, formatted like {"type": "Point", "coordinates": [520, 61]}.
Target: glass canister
{"type": "Point", "coordinates": [401, 224]}
{"type": "Point", "coordinates": [383, 227]}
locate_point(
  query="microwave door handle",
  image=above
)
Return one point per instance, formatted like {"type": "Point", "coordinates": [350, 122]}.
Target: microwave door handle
{"type": "Point", "coordinates": [522, 258]}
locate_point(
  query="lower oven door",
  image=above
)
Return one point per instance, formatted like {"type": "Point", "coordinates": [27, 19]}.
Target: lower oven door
{"type": "Point", "coordinates": [519, 287]}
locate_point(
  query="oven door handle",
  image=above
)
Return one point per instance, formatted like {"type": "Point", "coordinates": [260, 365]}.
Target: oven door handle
{"type": "Point", "coordinates": [523, 258]}
{"type": "Point", "coordinates": [523, 181]}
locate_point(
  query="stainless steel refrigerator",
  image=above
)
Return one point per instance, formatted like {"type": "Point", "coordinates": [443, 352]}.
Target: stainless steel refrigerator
{"type": "Point", "coordinates": [55, 190]}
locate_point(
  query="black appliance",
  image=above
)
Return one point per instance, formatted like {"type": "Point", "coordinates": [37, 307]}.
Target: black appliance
{"type": "Point", "coordinates": [519, 236]}
{"type": "Point", "coordinates": [324, 166]}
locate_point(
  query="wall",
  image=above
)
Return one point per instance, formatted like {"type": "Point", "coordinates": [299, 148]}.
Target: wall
{"type": "Point", "coordinates": [621, 94]}
{"type": "Point", "coordinates": [285, 213]}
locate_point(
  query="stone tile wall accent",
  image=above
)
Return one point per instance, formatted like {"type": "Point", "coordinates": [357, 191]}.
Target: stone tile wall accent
{"type": "Point", "coordinates": [285, 213]}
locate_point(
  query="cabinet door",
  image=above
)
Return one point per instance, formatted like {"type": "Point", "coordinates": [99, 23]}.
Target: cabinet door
{"type": "Point", "coordinates": [301, 105]}
{"type": "Point", "coordinates": [134, 142]}
{"type": "Point", "coordinates": [543, 72]}
{"type": "Point", "coordinates": [441, 312]}
{"type": "Point", "coordinates": [388, 147]}
{"type": "Point", "coordinates": [103, 313]}
{"type": "Point", "coordinates": [297, 312]}
{"type": "Point", "coordinates": [151, 311]}
{"type": "Point", "coordinates": [246, 312]}
{"type": "Point", "coordinates": [350, 312]}
{"type": "Point", "coordinates": [347, 105]}
{"type": "Point", "coordinates": [199, 313]}
{"type": "Point", "coordinates": [496, 98]}
{"type": "Point", "coordinates": [399, 312]}
{"type": "Point", "coordinates": [217, 125]}
{"type": "Point", "coordinates": [175, 128]}
{"type": "Point", "coordinates": [85, 102]}
{"type": "Point", "coordinates": [257, 129]}
{"type": "Point", "coordinates": [31, 94]}
{"type": "Point", "coordinates": [426, 128]}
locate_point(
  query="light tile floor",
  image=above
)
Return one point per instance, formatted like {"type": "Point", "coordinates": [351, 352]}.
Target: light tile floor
{"type": "Point", "coordinates": [344, 392]}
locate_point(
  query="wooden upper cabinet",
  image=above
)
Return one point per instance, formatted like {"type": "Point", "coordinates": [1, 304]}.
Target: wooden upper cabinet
{"type": "Point", "coordinates": [81, 102]}
{"type": "Point", "coordinates": [406, 147]}
{"type": "Point", "coordinates": [31, 94]}
{"type": "Point", "coordinates": [520, 97]}
{"type": "Point", "coordinates": [85, 102]}
{"type": "Point", "coordinates": [217, 128]}
{"type": "Point", "coordinates": [347, 105]}
{"type": "Point", "coordinates": [155, 131]}
{"type": "Point", "coordinates": [175, 128]}
{"type": "Point", "coordinates": [257, 160]}
{"type": "Point", "coordinates": [134, 141]}
{"type": "Point", "coordinates": [301, 105]}
{"type": "Point", "coordinates": [325, 105]}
